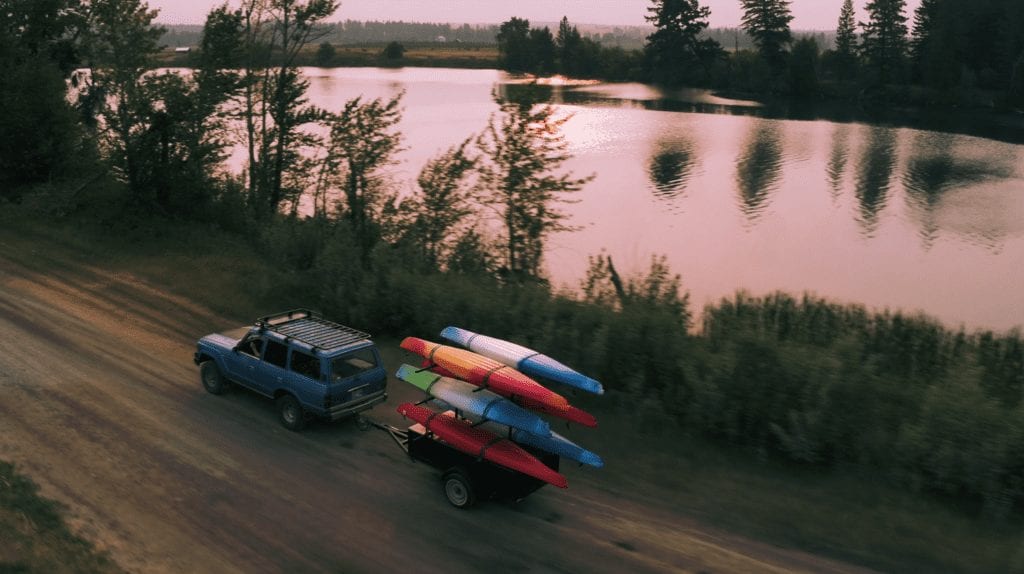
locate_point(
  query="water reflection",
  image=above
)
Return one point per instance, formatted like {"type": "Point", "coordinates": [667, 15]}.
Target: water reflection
{"type": "Point", "coordinates": [934, 170]}
{"type": "Point", "coordinates": [1010, 130]}
{"type": "Point", "coordinates": [837, 159]}
{"type": "Point", "coordinates": [670, 168]}
{"type": "Point", "coordinates": [759, 168]}
{"type": "Point", "coordinates": [972, 273]}
{"type": "Point", "coordinates": [874, 176]}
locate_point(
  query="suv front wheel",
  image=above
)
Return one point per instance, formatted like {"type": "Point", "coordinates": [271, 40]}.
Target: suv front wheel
{"type": "Point", "coordinates": [290, 412]}
{"type": "Point", "coordinates": [213, 381]}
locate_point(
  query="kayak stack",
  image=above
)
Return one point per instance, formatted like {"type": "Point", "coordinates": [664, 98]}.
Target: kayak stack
{"type": "Point", "coordinates": [492, 386]}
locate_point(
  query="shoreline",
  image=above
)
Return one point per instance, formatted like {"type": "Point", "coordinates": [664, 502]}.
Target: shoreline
{"type": "Point", "coordinates": [906, 108]}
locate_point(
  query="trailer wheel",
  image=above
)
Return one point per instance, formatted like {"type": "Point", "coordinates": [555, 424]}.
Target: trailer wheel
{"type": "Point", "coordinates": [458, 488]}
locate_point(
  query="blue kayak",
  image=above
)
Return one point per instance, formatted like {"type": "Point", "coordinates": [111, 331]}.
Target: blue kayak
{"type": "Point", "coordinates": [526, 361]}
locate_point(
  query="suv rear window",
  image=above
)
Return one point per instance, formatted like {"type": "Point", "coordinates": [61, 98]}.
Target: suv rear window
{"type": "Point", "coordinates": [306, 365]}
{"type": "Point", "coordinates": [354, 363]}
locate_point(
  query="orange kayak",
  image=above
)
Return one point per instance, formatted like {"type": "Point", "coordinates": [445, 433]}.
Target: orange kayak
{"type": "Point", "coordinates": [486, 373]}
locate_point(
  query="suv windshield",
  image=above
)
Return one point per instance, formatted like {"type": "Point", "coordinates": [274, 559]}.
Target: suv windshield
{"type": "Point", "coordinates": [351, 364]}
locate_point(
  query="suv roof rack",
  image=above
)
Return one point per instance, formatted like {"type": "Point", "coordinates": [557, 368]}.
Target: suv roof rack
{"type": "Point", "coordinates": [307, 327]}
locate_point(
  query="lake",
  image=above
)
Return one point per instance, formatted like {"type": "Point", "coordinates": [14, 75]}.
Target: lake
{"type": "Point", "coordinates": [738, 198]}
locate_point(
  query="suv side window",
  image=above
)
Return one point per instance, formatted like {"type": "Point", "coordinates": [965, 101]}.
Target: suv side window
{"type": "Point", "coordinates": [252, 346]}
{"type": "Point", "coordinates": [276, 354]}
{"type": "Point", "coordinates": [306, 365]}
{"type": "Point", "coordinates": [354, 363]}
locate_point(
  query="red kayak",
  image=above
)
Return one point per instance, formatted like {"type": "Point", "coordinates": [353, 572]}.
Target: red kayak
{"type": "Point", "coordinates": [486, 373]}
{"type": "Point", "coordinates": [571, 414]}
{"type": "Point", "coordinates": [476, 441]}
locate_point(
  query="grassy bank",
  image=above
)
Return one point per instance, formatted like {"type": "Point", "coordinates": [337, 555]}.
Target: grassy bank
{"type": "Point", "coordinates": [33, 535]}
{"type": "Point", "coordinates": [743, 478]}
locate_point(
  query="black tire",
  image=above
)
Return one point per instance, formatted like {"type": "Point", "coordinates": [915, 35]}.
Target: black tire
{"type": "Point", "coordinates": [290, 412]}
{"type": "Point", "coordinates": [458, 488]}
{"type": "Point", "coordinates": [212, 380]}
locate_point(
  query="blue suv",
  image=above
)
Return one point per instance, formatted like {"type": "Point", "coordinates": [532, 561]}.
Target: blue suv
{"type": "Point", "coordinates": [310, 366]}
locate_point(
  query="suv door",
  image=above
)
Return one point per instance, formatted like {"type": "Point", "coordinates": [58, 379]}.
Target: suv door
{"type": "Point", "coordinates": [272, 371]}
{"type": "Point", "coordinates": [242, 364]}
{"type": "Point", "coordinates": [306, 379]}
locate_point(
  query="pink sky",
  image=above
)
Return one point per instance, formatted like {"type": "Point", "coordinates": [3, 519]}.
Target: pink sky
{"type": "Point", "coordinates": [808, 14]}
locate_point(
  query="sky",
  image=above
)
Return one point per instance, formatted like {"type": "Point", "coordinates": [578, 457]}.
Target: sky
{"type": "Point", "coordinates": [807, 14]}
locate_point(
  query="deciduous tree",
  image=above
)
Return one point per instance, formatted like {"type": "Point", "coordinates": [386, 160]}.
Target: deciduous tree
{"type": "Point", "coordinates": [440, 212]}
{"type": "Point", "coordinates": [524, 151]}
{"type": "Point", "coordinates": [514, 45]}
{"type": "Point", "coordinates": [275, 33]}
{"type": "Point", "coordinates": [40, 137]}
{"type": "Point", "coordinates": [363, 141]}
{"type": "Point", "coordinates": [124, 40]}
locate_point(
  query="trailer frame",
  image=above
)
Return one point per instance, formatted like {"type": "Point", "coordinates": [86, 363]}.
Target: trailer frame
{"type": "Point", "coordinates": [466, 479]}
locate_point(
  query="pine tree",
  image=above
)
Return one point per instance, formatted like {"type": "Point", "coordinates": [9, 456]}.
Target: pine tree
{"type": "Point", "coordinates": [846, 41]}
{"type": "Point", "coordinates": [767, 22]}
{"type": "Point", "coordinates": [884, 40]}
{"type": "Point", "coordinates": [925, 21]}
{"type": "Point", "coordinates": [568, 44]}
{"type": "Point", "coordinates": [675, 47]}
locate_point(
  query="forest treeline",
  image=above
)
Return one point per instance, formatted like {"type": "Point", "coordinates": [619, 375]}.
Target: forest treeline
{"type": "Point", "coordinates": [819, 384]}
{"type": "Point", "coordinates": [950, 53]}
{"type": "Point", "coordinates": [348, 32]}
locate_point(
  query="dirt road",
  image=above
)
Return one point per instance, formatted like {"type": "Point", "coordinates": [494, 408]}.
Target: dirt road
{"type": "Point", "coordinates": [101, 405]}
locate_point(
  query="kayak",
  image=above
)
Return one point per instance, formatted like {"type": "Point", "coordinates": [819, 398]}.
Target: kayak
{"type": "Point", "coordinates": [557, 444]}
{"type": "Point", "coordinates": [471, 399]}
{"type": "Point", "coordinates": [476, 441]}
{"type": "Point", "coordinates": [487, 373]}
{"type": "Point", "coordinates": [571, 414]}
{"type": "Point", "coordinates": [526, 360]}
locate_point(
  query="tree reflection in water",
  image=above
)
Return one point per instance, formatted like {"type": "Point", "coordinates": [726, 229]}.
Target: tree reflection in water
{"type": "Point", "coordinates": [670, 169]}
{"type": "Point", "coordinates": [874, 176]}
{"type": "Point", "coordinates": [837, 158]}
{"type": "Point", "coordinates": [934, 170]}
{"type": "Point", "coordinates": [759, 168]}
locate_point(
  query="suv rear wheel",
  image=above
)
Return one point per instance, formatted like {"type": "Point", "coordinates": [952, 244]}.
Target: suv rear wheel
{"type": "Point", "coordinates": [213, 381]}
{"type": "Point", "coordinates": [290, 412]}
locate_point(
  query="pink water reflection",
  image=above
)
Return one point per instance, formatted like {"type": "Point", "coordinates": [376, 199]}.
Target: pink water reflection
{"type": "Point", "coordinates": [887, 217]}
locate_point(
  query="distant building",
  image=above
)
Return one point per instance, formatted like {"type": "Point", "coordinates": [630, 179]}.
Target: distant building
{"type": "Point", "coordinates": [184, 50]}
{"type": "Point", "coordinates": [440, 39]}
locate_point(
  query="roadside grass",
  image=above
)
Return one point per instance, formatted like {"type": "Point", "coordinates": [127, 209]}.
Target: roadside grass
{"type": "Point", "coordinates": [33, 535]}
{"type": "Point", "coordinates": [842, 514]}
{"type": "Point", "coordinates": [849, 516]}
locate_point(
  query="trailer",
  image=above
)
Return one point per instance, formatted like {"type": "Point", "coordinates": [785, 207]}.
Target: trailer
{"type": "Point", "coordinates": [465, 479]}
